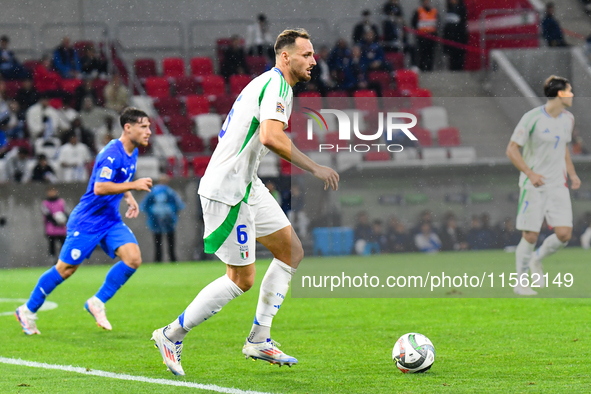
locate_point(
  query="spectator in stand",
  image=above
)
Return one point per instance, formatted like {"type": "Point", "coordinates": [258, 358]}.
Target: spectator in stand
{"type": "Point", "coordinates": [355, 72]}
{"type": "Point", "coordinates": [297, 215]}
{"type": "Point", "coordinates": [26, 96]}
{"type": "Point", "coordinates": [83, 135]}
{"type": "Point", "coordinates": [92, 117]}
{"type": "Point", "coordinates": [10, 68]}
{"type": "Point", "coordinates": [551, 29]}
{"type": "Point", "coordinates": [43, 172]}
{"type": "Point", "coordinates": [234, 59]}
{"type": "Point", "coordinates": [66, 61]}
{"type": "Point", "coordinates": [476, 237]}
{"type": "Point", "coordinates": [392, 28]}
{"type": "Point", "coordinates": [10, 123]}
{"type": "Point", "coordinates": [3, 144]}
{"type": "Point", "coordinates": [44, 120]}
{"type": "Point", "coordinates": [85, 89]}
{"type": "Point", "coordinates": [105, 133]}
{"type": "Point", "coordinates": [67, 113]}
{"type": "Point", "coordinates": [426, 216]}
{"type": "Point", "coordinates": [116, 94]}
{"type": "Point", "coordinates": [378, 241]}
{"type": "Point", "coordinates": [489, 233]}
{"type": "Point", "coordinates": [373, 53]}
{"type": "Point", "coordinates": [455, 29]}
{"type": "Point", "coordinates": [92, 63]}
{"type": "Point", "coordinates": [73, 158]}
{"type": "Point", "coordinates": [393, 7]}
{"type": "Point", "coordinates": [397, 238]}
{"type": "Point", "coordinates": [55, 217]}
{"type": "Point", "coordinates": [322, 76]}
{"type": "Point", "coordinates": [16, 165]}
{"type": "Point", "coordinates": [508, 234]}
{"type": "Point", "coordinates": [339, 56]}
{"type": "Point", "coordinates": [427, 241]}
{"type": "Point", "coordinates": [452, 237]}
{"type": "Point", "coordinates": [258, 38]}
{"type": "Point", "coordinates": [46, 80]}
{"type": "Point", "coordinates": [162, 206]}
{"type": "Point", "coordinates": [362, 232]}
{"type": "Point", "coordinates": [425, 20]}
{"type": "Point", "coordinates": [363, 27]}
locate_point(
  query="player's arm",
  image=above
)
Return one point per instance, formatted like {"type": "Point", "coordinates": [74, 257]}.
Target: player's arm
{"type": "Point", "coordinates": [515, 156]}
{"type": "Point", "coordinates": [107, 188]}
{"type": "Point", "coordinates": [575, 182]}
{"type": "Point", "coordinates": [275, 139]}
{"type": "Point", "coordinates": [133, 208]}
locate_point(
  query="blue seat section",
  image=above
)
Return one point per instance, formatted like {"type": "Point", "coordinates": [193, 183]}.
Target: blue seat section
{"type": "Point", "coordinates": [333, 241]}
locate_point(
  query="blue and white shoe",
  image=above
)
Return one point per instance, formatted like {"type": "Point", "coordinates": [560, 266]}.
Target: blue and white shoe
{"type": "Point", "coordinates": [267, 351]}
{"type": "Point", "coordinates": [170, 351]}
{"type": "Point", "coordinates": [26, 318]}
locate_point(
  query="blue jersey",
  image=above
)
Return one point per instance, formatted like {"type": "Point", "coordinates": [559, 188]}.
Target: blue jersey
{"type": "Point", "coordinates": [94, 213]}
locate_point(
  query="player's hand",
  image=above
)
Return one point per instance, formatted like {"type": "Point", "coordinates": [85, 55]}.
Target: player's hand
{"type": "Point", "coordinates": [575, 182]}
{"type": "Point", "coordinates": [329, 176]}
{"type": "Point", "coordinates": [144, 184]}
{"type": "Point", "coordinates": [536, 179]}
{"type": "Point", "coordinates": [133, 209]}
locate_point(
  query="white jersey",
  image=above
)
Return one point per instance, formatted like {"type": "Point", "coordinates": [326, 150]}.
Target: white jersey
{"type": "Point", "coordinates": [234, 163]}
{"type": "Point", "coordinates": [544, 140]}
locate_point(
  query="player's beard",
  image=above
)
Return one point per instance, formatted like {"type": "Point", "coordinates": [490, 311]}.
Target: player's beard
{"type": "Point", "coordinates": [303, 76]}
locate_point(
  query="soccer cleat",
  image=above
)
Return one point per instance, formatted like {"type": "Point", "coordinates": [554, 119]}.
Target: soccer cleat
{"type": "Point", "coordinates": [96, 308]}
{"type": "Point", "coordinates": [535, 267]}
{"type": "Point", "coordinates": [170, 351]}
{"type": "Point", "coordinates": [27, 320]}
{"type": "Point", "coordinates": [524, 291]}
{"type": "Point", "coordinates": [267, 351]}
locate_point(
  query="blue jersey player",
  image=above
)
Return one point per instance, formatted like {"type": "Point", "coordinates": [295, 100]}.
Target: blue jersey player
{"type": "Point", "coordinates": [96, 221]}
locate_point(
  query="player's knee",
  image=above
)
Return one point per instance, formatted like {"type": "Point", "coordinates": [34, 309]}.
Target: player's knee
{"type": "Point", "coordinates": [65, 270]}
{"type": "Point", "coordinates": [245, 283]}
{"type": "Point", "coordinates": [134, 261]}
{"type": "Point", "coordinates": [297, 254]}
{"type": "Point", "coordinates": [530, 237]}
{"type": "Point", "coordinates": [564, 236]}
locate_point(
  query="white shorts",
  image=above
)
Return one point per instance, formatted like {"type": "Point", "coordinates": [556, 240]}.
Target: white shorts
{"type": "Point", "coordinates": [536, 204]}
{"type": "Point", "coordinates": [237, 228]}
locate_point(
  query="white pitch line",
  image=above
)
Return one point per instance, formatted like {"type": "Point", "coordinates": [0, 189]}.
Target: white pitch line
{"type": "Point", "coordinates": [120, 376]}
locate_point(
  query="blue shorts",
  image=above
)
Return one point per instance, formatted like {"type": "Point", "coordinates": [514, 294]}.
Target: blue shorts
{"type": "Point", "coordinates": [79, 246]}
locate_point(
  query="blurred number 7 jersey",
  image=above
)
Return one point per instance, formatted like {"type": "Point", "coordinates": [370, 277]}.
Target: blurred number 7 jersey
{"type": "Point", "coordinates": [95, 214]}
{"type": "Point", "coordinates": [234, 163]}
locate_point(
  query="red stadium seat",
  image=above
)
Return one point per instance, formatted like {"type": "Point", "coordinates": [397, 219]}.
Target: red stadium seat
{"type": "Point", "coordinates": [406, 81]}
{"type": "Point", "coordinates": [201, 66]}
{"type": "Point", "coordinates": [168, 106]}
{"type": "Point", "coordinates": [256, 64]}
{"type": "Point", "coordinates": [180, 125]}
{"type": "Point", "coordinates": [381, 77]}
{"type": "Point", "coordinates": [238, 82]}
{"type": "Point", "coordinates": [338, 99]}
{"type": "Point", "coordinates": [333, 139]}
{"type": "Point", "coordinates": [185, 86]}
{"type": "Point", "coordinates": [99, 86]}
{"type": "Point", "coordinates": [11, 88]}
{"type": "Point", "coordinates": [191, 143]}
{"type": "Point", "coordinates": [157, 87]}
{"type": "Point", "coordinates": [197, 105]}
{"type": "Point", "coordinates": [200, 165]}
{"type": "Point", "coordinates": [144, 68]}
{"type": "Point", "coordinates": [70, 85]}
{"type": "Point", "coordinates": [423, 135]}
{"type": "Point", "coordinates": [448, 136]}
{"type": "Point", "coordinates": [223, 104]}
{"type": "Point", "coordinates": [213, 85]}
{"type": "Point", "coordinates": [377, 156]}
{"type": "Point", "coordinates": [82, 46]}
{"type": "Point", "coordinates": [420, 98]}
{"type": "Point", "coordinates": [56, 103]}
{"type": "Point", "coordinates": [288, 169]}
{"type": "Point", "coordinates": [213, 143]}
{"type": "Point", "coordinates": [366, 100]}
{"type": "Point", "coordinates": [31, 65]}
{"type": "Point", "coordinates": [395, 59]}
{"type": "Point", "coordinates": [173, 67]}
{"type": "Point", "coordinates": [305, 144]}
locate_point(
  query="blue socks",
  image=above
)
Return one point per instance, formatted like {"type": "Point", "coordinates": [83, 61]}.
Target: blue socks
{"type": "Point", "coordinates": [46, 284]}
{"type": "Point", "coordinates": [116, 277]}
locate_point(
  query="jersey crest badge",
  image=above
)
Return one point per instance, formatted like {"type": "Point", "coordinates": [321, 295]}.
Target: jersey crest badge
{"type": "Point", "coordinates": [244, 252]}
{"type": "Point", "coordinates": [106, 172]}
{"type": "Point", "coordinates": [75, 254]}
{"type": "Point", "coordinates": [280, 108]}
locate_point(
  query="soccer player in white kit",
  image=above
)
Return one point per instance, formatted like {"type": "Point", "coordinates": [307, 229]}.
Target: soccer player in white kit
{"type": "Point", "coordinates": [544, 133]}
{"type": "Point", "coordinates": [238, 209]}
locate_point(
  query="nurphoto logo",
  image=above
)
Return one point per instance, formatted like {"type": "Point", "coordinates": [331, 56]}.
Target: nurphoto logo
{"type": "Point", "coordinates": [394, 121]}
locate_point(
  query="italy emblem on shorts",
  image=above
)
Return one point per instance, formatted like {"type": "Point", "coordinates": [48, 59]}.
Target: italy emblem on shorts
{"type": "Point", "coordinates": [244, 252]}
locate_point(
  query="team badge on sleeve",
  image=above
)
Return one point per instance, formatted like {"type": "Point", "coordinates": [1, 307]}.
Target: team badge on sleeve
{"type": "Point", "coordinates": [280, 108]}
{"type": "Point", "coordinates": [244, 252]}
{"type": "Point", "coordinates": [106, 172]}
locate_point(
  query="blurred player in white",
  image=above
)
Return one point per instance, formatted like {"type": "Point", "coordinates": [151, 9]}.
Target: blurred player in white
{"type": "Point", "coordinates": [544, 134]}
{"type": "Point", "coordinates": [238, 209]}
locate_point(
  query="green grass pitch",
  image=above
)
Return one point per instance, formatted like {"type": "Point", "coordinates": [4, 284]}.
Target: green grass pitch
{"type": "Point", "coordinates": [503, 345]}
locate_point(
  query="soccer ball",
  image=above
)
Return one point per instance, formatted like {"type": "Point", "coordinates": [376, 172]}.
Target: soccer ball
{"type": "Point", "coordinates": [60, 218]}
{"type": "Point", "coordinates": [413, 353]}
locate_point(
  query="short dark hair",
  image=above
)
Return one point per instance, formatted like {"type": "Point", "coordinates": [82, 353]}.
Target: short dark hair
{"type": "Point", "coordinates": [132, 116]}
{"type": "Point", "coordinates": [288, 38]}
{"type": "Point", "coordinates": [365, 13]}
{"type": "Point", "coordinates": [553, 85]}
{"type": "Point", "coordinates": [4, 38]}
